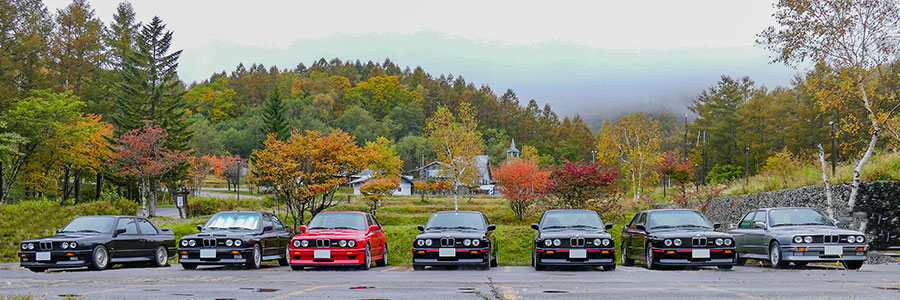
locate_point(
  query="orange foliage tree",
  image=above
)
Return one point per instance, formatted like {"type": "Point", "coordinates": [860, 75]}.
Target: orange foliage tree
{"type": "Point", "coordinates": [522, 182]}
{"type": "Point", "coordinates": [377, 189]}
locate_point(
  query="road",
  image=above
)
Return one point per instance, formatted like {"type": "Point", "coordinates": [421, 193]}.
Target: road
{"type": "Point", "coordinates": [273, 282]}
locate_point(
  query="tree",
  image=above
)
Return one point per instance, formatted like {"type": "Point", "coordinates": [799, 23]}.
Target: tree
{"type": "Point", "coordinates": [635, 141]}
{"type": "Point", "coordinates": [273, 116]}
{"type": "Point", "coordinates": [578, 184]}
{"type": "Point", "coordinates": [82, 148]}
{"type": "Point", "coordinates": [76, 45]}
{"type": "Point", "coordinates": [142, 154]}
{"type": "Point", "coordinates": [856, 40]}
{"type": "Point", "coordinates": [214, 99]}
{"type": "Point", "coordinates": [415, 151]}
{"type": "Point", "coordinates": [380, 94]}
{"type": "Point", "coordinates": [406, 119]}
{"type": "Point", "coordinates": [522, 182]}
{"type": "Point", "coordinates": [676, 169]}
{"type": "Point", "coordinates": [233, 170]}
{"type": "Point", "coordinates": [456, 142]}
{"type": "Point", "coordinates": [424, 187]}
{"type": "Point", "coordinates": [121, 34]}
{"type": "Point", "coordinates": [717, 115]}
{"type": "Point", "coordinates": [375, 190]}
{"type": "Point", "coordinates": [25, 27]}
{"type": "Point", "coordinates": [361, 125]}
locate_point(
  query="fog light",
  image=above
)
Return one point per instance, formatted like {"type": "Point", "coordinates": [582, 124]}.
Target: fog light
{"type": "Point", "coordinates": [727, 251]}
{"type": "Point", "coordinates": [235, 252]}
{"type": "Point", "coordinates": [801, 248]}
{"type": "Point", "coordinates": [604, 252]}
{"type": "Point", "coordinates": [70, 254]}
{"type": "Point", "coordinates": [474, 252]}
{"type": "Point", "coordinates": [183, 252]}
{"type": "Point", "coordinates": [670, 252]}
{"type": "Point", "coordinates": [549, 251]}
{"type": "Point", "coordinates": [349, 252]}
{"type": "Point", "coordinates": [860, 249]}
{"type": "Point", "coordinates": [23, 255]}
{"type": "Point", "coordinates": [421, 251]}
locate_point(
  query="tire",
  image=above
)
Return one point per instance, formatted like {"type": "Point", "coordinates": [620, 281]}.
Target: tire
{"type": "Point", "coordinates": [650, 264]}
{"type": "Point", "coordinates": [161, 257]}
{"type": "Point", "coordinates": [853, 264]}
{"type": "Point", "coordinates": [625, 260]}
{"type": "Point", "coordinates": [297, 268]}
{"type": "Point", "coordinates": [384, 258]}
{"type": "Point", "coordinates": [775, 256]}
{"type": "Point", "coordinates": [189, 266]}
{"type": "Point", "coordinates": [740, 261]}
{"type": "Point", "coordinates": [534, 262]}
{"type": "Point", "coordinates": [419, 267]}
{"type": "Point", "coordinates": [284, 262]}
{"type": "Point", "coordinates": [495, 262]}
{"type": "Point", "coordinates": [255, 259]}
{"type": "Point", "coordinates": [609, 268]}
{"type": "Point", "coordinates": [367, 261]}
{"type": "Point", "coordinates": [37, 270]}
{"type": "Point", "coordinates": [726, 267]}
{"type": "Point", "coordinates": [99, 258]}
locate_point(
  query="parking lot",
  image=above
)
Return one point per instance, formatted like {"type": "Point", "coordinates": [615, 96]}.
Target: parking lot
{"type": "Point", "coordinates": [510, 282]}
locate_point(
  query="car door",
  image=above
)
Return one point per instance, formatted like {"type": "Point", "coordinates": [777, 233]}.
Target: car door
{"type": "Point", "coordinates": [756, 236]}
{"type": "Point", "coordinates": [269, 238]}
{"type": "Point", "coordinates": [282, 235]}
{"type": "Point", "coordinates": [740, 233]}
{"type": "Point", "coordinates": [149, 238]}
{"type": "Point", "coordinates": [639, 237]}
{"type": "Point", "coordinates": [627, 233]}
{"type": "Point", "coordinates": [378, 238]}
{"type": "Point", "coordinates": [126, 244]}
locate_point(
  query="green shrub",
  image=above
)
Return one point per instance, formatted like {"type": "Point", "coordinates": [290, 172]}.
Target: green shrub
{"type": "Point", "coordinates": [205, 206]}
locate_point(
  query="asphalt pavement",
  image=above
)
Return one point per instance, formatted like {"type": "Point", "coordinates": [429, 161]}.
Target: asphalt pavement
{"type": "Point", "coordinates": [509, 282]}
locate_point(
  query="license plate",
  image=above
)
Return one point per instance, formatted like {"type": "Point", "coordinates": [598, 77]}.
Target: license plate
{"type": "Point", "coordinates": [43, 256]}
{"type": "Point", "coordinates": [207, 253]}
{"type": "Point", "coordinates": [700, 253]}
{"type": "Point", "coordinates": [321, 254]}
{"type": "Point", "coordinates": [834, 250]}
{"type": "Point", "coordinates": [578, 253]}
{"type": "Point", "coordinates": [447, 252]}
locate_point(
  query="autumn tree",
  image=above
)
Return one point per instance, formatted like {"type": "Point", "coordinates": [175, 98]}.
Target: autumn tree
{"type": "Point", "coordinates": [82, 148]}
{"type": "Point", "coordinates": [198, 168]}
{"type": "Point", "coordinates": [380, 94]}
{"type": "Point", "coordinates": [635, 141]}
{"type": "Point", "coordinates": [582, 185]}
{"type": "Point", "coordinates": [456, 142]}
{"type": "Point", "coordinates": [676, 169]}
{"type": "Point", "coordinates": [377, 189]}
{"type": "Point", "coordinates": [233, 170]}
{"type": "Point", "coordinates": [142, 154]}
{"type": "Point", "coordinates": [424, 188]}
{"type": "Point", "coordinates": [76, 45]}
{"type": "Point", "coordinates": [522, 182]}
{"type": "Point", "coordinates": [856, 40]}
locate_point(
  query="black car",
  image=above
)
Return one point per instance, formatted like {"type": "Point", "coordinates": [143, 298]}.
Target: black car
{"type": "Point", "coordinates": [97, 242]}
{"type": "Point", "coordinates": [236, 238]}
{"type": "Point", "coordinates": [455, 238]}
{"type": "Point", "coordinates": [573, 237]}
{"type": "Point", "coordinates": [676, 237]}
{"type": "Point", "coordinates": [800, 235]}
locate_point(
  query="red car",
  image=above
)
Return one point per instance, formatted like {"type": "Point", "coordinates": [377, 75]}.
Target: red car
{"type": "Point", "coordinates": [339, 238]}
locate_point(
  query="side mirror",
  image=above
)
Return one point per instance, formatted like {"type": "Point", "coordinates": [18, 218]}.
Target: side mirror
{"type": "Point", "coordinates": [640, 227]}
{"type": "Point", "coordinates": [717, 226]}
{"type": "Point", "coordinates": [267, 228]}
{"type": "Point", "coordinates": [302, 228]}
{"type": "Point", "coordinates": [535, 226]}
{"type": "Point", "coordinates": [759, 224]}
{"type": "Point", "coordinates": [421, 227]}
{"type": "Point", "coordinates": [608, 226]}
{"type": "Point", "coordinates": [491, 227]}
{"type": "Point", "coordinates": [732, 226]}
{"type": "Point", "coordinates": [166, 229]}
{"type": "Point", "coordinates": [199, 227]}
{"type": "Point", "coordinates": [373, 228]}
{"type": "Point", "coordinates": [119, 231]}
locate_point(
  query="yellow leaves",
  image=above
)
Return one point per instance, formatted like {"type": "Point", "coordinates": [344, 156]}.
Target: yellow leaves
{"type": "Point", "coordinates": [634, 140]}
{"type": "Point", "coordinates": [456, 142]}
{"type": "Point", "coordinates": [383, 158]}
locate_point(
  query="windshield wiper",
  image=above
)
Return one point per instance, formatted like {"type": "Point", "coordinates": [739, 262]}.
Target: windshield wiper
{"type": "Point", "coordinates": [662, 226]}
{"type": "Point", "coordinates": [215, 228]}
{"type": "Point", "coordinates": [464, 227]}
{"type": "Point", "coordinates": [583, 226]}
{"type": "Point", "coordinates": [345, 227]}
{"type": "Point", "coordinates": [554, 226]}
{"type": "Point", "coordinates": [691, 225]}
{"type": "Point", "coordinates": [437, 228]}
{"type": "Point", "coordinates": [797, 224]}
{"type": "Point", "coordinates": [240, 228]}
{"type": "Point", "coordinates": [82, 230]}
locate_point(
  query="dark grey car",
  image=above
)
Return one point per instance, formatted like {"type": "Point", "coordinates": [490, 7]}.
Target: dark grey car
{"type": "Point", "coordinates": [798, 235]}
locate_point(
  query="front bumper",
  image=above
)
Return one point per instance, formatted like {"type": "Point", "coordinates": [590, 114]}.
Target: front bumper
{"type": "Point", "coordinates": [58, 259]}
{"type": "Point", "coordinates": [224, 256]}
{"type": "Point", "coordinates": [685, 257]}
{"type": "Point", "coordinates": [816, 253]}
{"type": "Point", "coordinates": [562, 257]}
{"type": "Point", "coordinates": [462, 256]}
{"type": "Point", "coordinates": [305, 257]}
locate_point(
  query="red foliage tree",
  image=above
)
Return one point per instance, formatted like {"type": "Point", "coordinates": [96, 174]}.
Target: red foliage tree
{"type": "Point", "coordinates": [678, 170]}
{"type": "Point", "coordinates": [575, 184]}
{"type": "Point", "coordinates": [142, 154]}
{"type": "Point", "coordinates": [522, 182]}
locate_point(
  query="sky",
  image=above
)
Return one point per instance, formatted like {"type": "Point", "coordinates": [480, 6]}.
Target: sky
{"type": "Point", "coordinates": [593, 58]}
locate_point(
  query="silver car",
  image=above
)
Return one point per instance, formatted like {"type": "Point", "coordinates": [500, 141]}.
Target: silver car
{"type": "Point", "coordinates": [799, 236]}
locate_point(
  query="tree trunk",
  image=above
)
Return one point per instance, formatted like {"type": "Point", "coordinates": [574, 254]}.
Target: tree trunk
{"type": "Point", "coordinates": [65, 187]}
{"type": "Point", "coordinates": [152, 201]}
{"type": "Point", "coordinates": [828, 197]}
{"type": "Point", "coordinates": [455, 195]}
{"type": "Point", "coordinates": [99, 185]}
{"type": "Point", "coordinates": [77, 185]}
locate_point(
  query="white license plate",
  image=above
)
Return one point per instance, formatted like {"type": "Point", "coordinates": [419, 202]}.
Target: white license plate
{"type": "Point", "coordinates": [834, 250]}
{"type": "Point", "coordinates": [321, 254]}
{"type": "Point", "coordinates": [207, 253]}
{"type": "Point", "coordinates": [447, 252]}
{"type": "Point", "coordinates": [700, 253]}
{"type": "Point", "coordinates": [43, 256]}
{"type": "Point", "coordinates": [578, 253]}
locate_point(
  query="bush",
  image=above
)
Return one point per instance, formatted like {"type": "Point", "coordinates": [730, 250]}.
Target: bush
{"type": "Point", "coordinates": [205, 206]}
{"type": "Point", "coordinates": [723, 173]}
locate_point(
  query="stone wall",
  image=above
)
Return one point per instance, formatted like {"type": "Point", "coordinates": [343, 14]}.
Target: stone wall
{"type": "Point", "coordinates": [880, 201]}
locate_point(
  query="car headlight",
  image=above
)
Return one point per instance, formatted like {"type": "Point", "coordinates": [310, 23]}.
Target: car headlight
{"type": "Point", "coordinates": [296, 243]}
{"type": "Point", "coordinates": [420, 243]}
{"type": "Point", "coordinates": [719, 242]}
{"type": "Point", "coordinates": [556, 242]}
{"type": "Point", "coordinates": [476, 242]}
{"type": "Point", "coordinates": [192, 243]}
{"type": "Point", "coordinates": [606, 242]}
{"type": "Point", "coordinates": [229, 243]}
{"type": "Point", "coordinates": [677, 242]}
{"type": "Point", "coordinates": [66, 245]}
{"type": "Point", "coordinates": [428, 242]}
{"type": "Point", "coordinates": [860, 239]}
{"type": "Point", "coordinates": [342, 243]}
{"type": "Point", "coordinates": [237, 243]}
{"type": "Point", "coordinates": [467, 242]}
{"type": "Point", "coordinates": [798, 239]}
{"type": "Point", "coordinates": [184, 243]}
{"type": "Point", "coordinates": [24, 246]}
{"type": "Point", "coordinates": [667, 242]}
{"type": "Point", "coordinates": [807, 239]}
{"type": "Point", "coordinates": [351, 243]}
{"type": "Point", "coordinates": [30, 246]}
{"type": "Point", "coordinates": [304, 243]}
{"type": "Point", "coordinates": [597, 242]}
{"type": "Point", "coordinates": [548, 243]}
{"type": "Point", "coordinates": [728, 242]}
{"type": "Point", "coordinates": [851, 239]}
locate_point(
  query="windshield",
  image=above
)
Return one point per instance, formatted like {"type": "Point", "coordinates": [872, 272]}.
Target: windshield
{"type": "Point", "coordinates": [571, 218]}
{"type": "Point", "coordinates": [90, 224]}
{"type": "Point", "coordinates": [456, 220]}
{"type": "Point", "coordinates": [233, 221]}
{"type": "Point", "coordinates": [338, 221]}
{"type": "Point", "coordinates": [677, 219]}
{"type": "Point", "coordinates": [798, 216]}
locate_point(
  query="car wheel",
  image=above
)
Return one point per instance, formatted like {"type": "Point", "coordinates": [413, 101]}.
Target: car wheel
{"type": "Point", "coordinates": [740, 261]}
{"type": "Point", "coordinates": [287, 256]}
{"type": "Point", "coordinates": [384, 258]}
{"type": "Point", "coordinates": [255, 259]}
{"type": "Point", "coordinates": [534, 262]}
{"type": "Point", "coordinates": [99, 258]}
{"type": "Point", "coordinates": [189, 266]}
{"type": "Point", "coordinates": [37, 270]}
{"type": "Point", "coordinates": [609, 268]}
{"type": "Point", "coordinates": [726, 267]}
{"type": "Point", "coordinates": [161, 259]}
{"type": "Point", "coordinates": [367, 262]}
{"type": "Point", "coordinates": [650, 263]}
{"type": "Point", "coordinates": [625, 260]}
{"type": "Point", "coordinates": [495, 262]}
{"type": "Point", "coordinates": [418, 267]}
{"type": "Point", "coordinates": [853, 264]}
{"type": "Point", "coordinates": [775, 258]}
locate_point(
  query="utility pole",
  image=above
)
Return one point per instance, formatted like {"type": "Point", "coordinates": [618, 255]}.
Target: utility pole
{"type": "Point", "coordinates": [746, 166]}
{"type": "Point", "coordinates": [593, 155]}
{"type": "Point", "coordinates": [703, 150]}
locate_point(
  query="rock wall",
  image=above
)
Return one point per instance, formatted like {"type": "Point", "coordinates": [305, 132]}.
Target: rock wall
{"type": "Point", "coordinates": [880, 201]}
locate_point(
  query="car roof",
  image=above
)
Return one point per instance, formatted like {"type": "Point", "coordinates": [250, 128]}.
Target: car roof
{"type": "Point", "coordinates": [242, 211]}
{"type": "Point", "coordinates": [458, 211]}
{"type": "Point", "coordinates": [343, 211]}
{"type": "Point", "coordinates": [669, 209]}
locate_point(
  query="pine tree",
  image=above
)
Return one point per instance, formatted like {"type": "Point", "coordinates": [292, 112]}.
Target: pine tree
{"type": "Point", "coordinates": [273, 116]}
{"type": "Point", "coordinates": [121, 34]}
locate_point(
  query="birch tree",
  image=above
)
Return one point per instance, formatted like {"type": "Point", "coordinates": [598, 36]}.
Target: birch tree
{"type": "Point", "coordinates": [634, 140]}
{"type": "Point", "coordinates": [456, 142]}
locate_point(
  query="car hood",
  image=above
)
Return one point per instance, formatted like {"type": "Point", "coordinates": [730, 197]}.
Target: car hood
{"type": "Point", "coordinates": [219, 235]}
{"type": "Point", "coordinates": [688, 233]}
{"type": "Point", "coordinates": [811, 230]}
{"type": "Point", "coordinates": [464, 234]}
{"type": "Point", "coordinates": [332, 233]}
{"type": "Point", "coordinates": [66, 237]}
{"type": "Point", "coordinates": [567, 233]}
